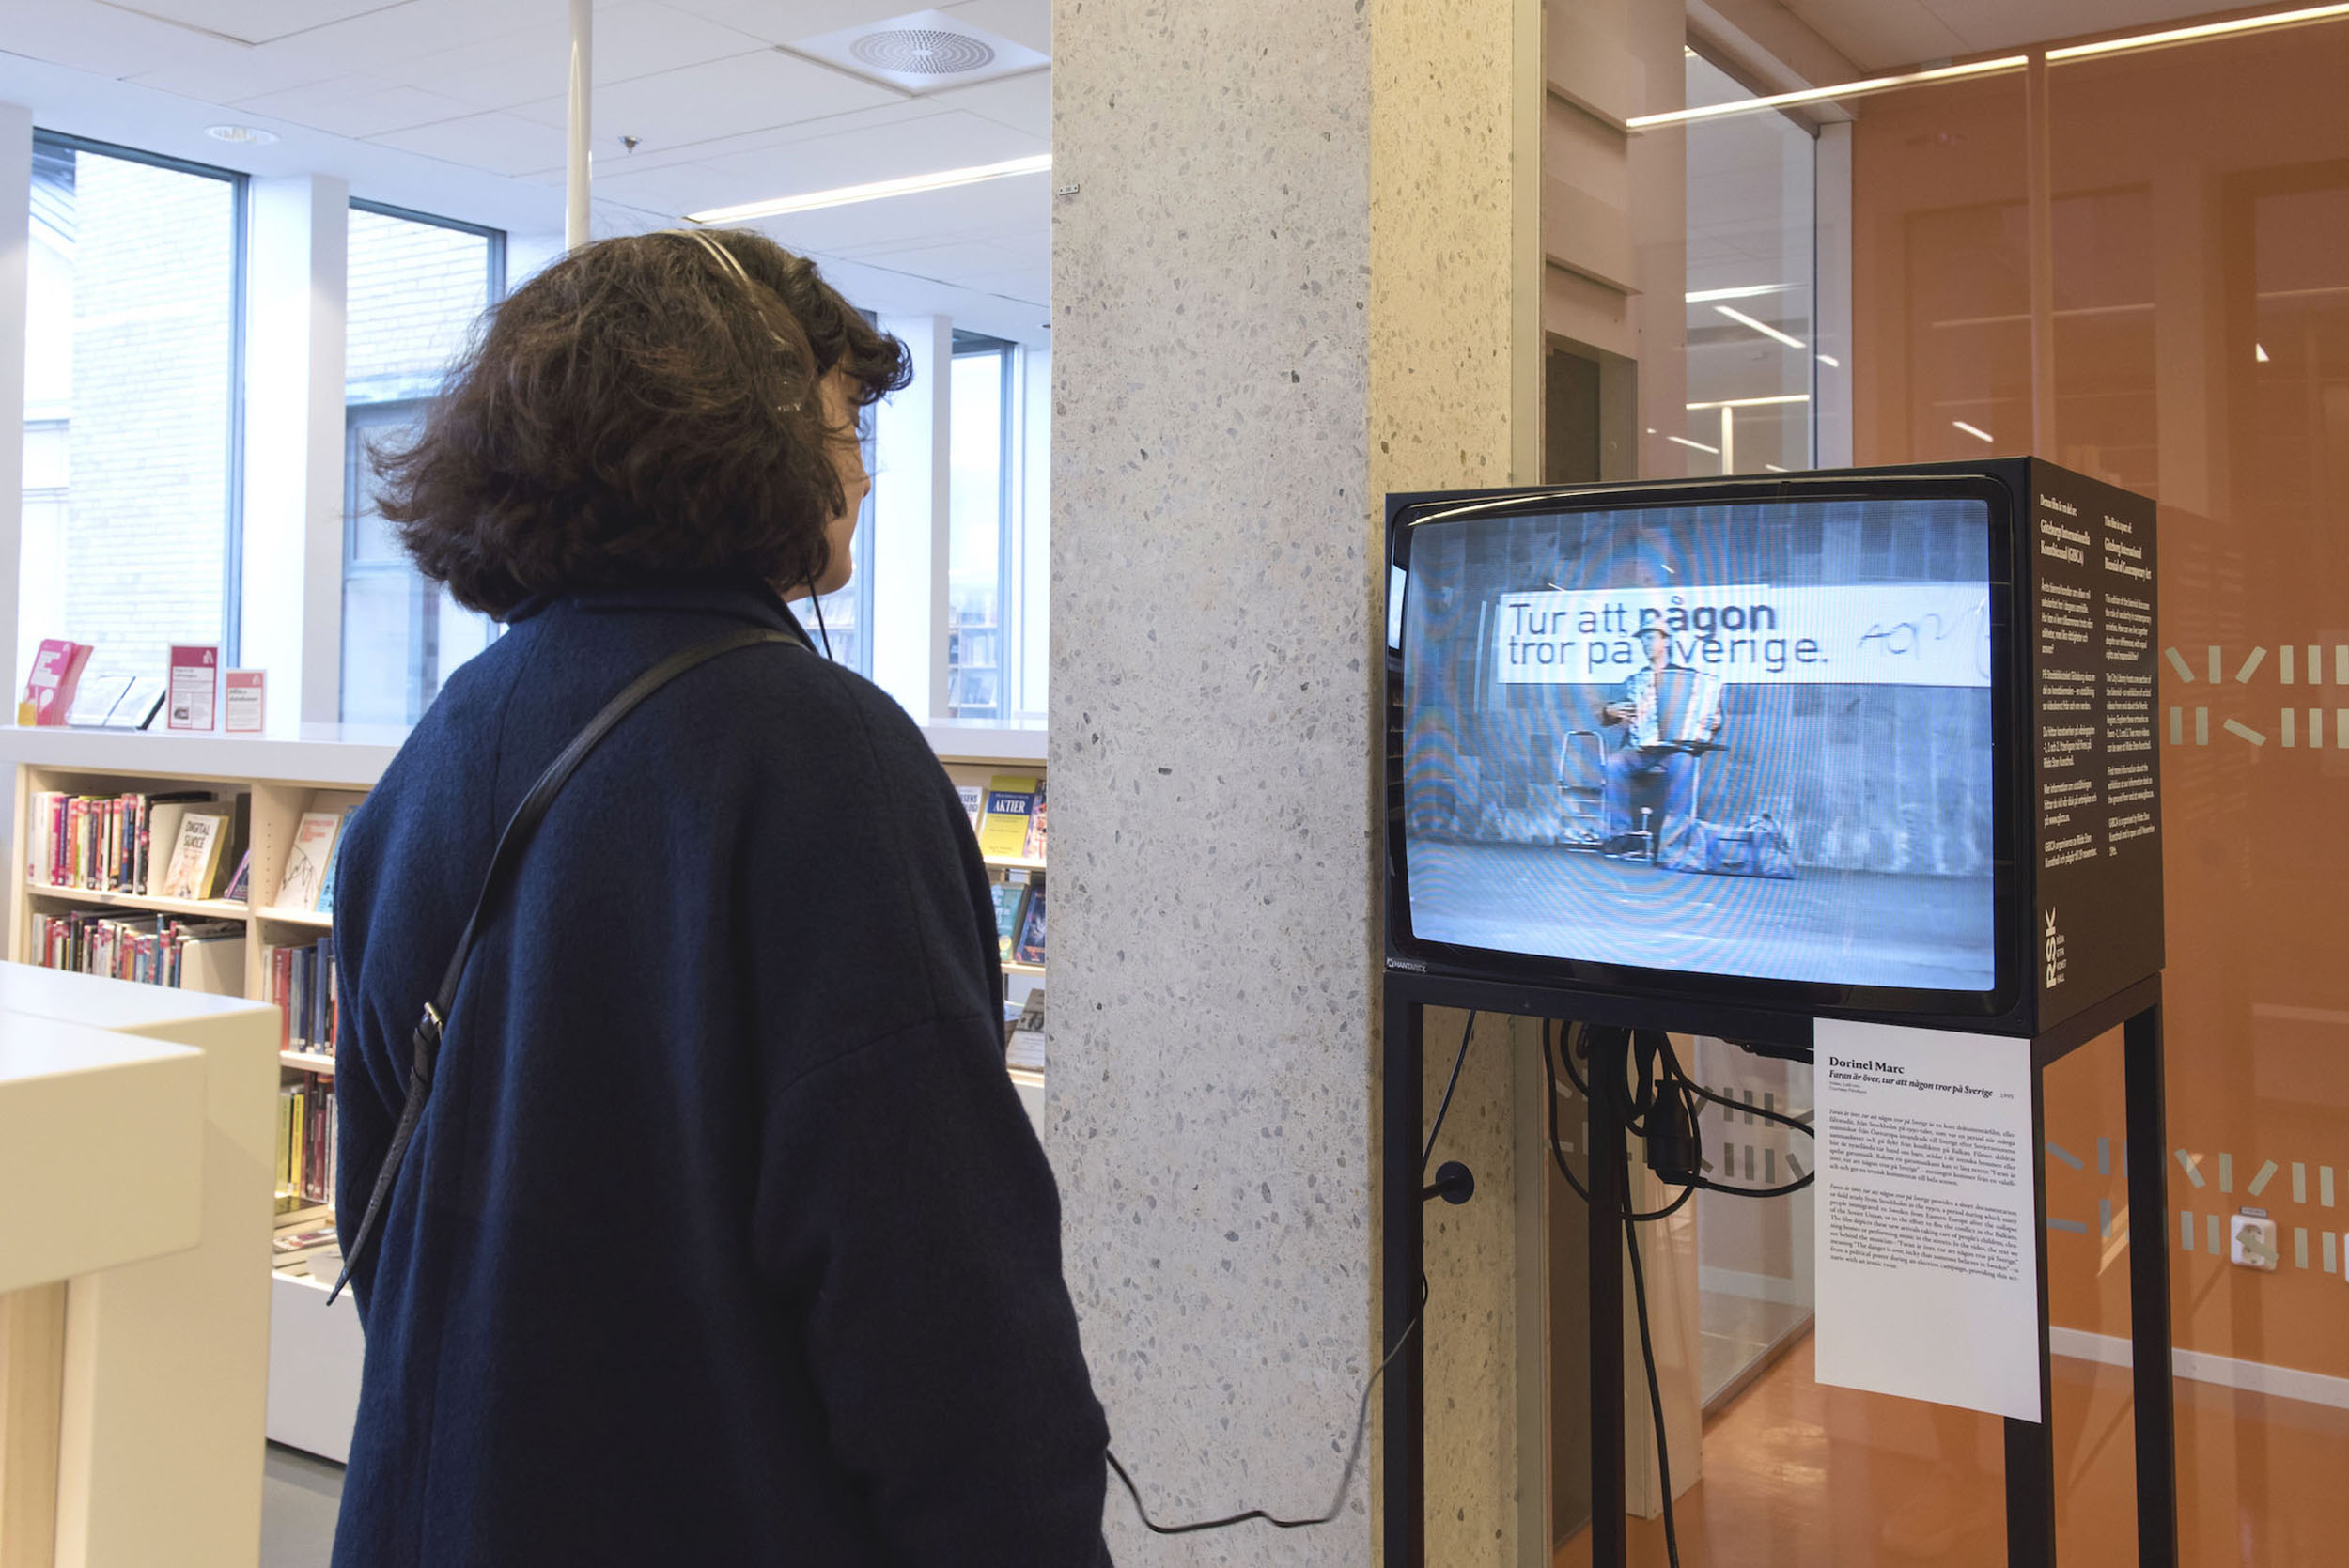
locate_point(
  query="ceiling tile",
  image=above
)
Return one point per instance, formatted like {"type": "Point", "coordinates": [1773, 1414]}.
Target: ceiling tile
{"type": "Point", "coordinates": [357, 106]}
{"type": "Point", "coordinates": [420, 28]}
{"type": "Point", "coordinates": [1028, 21]}
{"type": "Point", "coordinates": [1881, 33]}
{"type": "Point", "coordinates": [757, 91]}
{"type": "Point", "coordinates": [639, 39]}
{"type": "Point", "coordinates": [231, 73]}
{"type": "Point", "coordinates": [2002, 25]}
{"type": "Point", "coordinates": [499, 143]}
{"type": "Point", "coordinates": [83, 35]}
{"type": "Point", "coordinates": [881, 152]}
{"type": "Point", "coordinates": [782, 21]}
{"type": "Point", "coordinates": [1022, 102]}
{"type": "Point", "coordinates": [653, 155]}
{"type": "Point", "coordinates": [671, 192]}
{"type": "Point", "coordinates": [254, 21]}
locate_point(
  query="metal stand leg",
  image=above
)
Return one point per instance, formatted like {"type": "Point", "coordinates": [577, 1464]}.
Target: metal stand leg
{"type": "Point", "coordinates": [1404, 1492]}
{"type": "Point", "coordinates": [2031, 1445]}
{"type": "Point", "coordinates": [1609, 1542]}
{"type": "Point", "coordinates": [2149, 1294]}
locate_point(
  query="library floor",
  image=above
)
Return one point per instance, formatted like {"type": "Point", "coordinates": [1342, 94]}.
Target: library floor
{"type": "Point", "coordinates": [1797, 1476]}
{"type": "Point", "coordinates": [299, 1497]}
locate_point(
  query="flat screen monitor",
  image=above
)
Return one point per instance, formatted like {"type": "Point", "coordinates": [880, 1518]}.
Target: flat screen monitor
{"type": "Point", "coordinates": [1736, 739]}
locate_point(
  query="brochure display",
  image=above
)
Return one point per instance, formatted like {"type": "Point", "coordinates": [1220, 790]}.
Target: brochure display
{"type": "Point", "coordinates": [1851, 768]}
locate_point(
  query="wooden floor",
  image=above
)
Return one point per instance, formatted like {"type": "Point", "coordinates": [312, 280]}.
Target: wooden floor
{"type": "Point", "coordinates": [1797, 1476]}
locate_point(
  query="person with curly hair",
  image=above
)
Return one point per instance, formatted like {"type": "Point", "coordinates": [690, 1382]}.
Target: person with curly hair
{"type": "Point", "coordinates": [723, 1236]}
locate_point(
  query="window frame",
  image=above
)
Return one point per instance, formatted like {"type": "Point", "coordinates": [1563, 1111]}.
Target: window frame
{"type": "Point", "coordinates": [395, 411]}
{"type": "Point", "coordinates": [975, 344]}
{"type": "Point", "coordinates": [240, 287]}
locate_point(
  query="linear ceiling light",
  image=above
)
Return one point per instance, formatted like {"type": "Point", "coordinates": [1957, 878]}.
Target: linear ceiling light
{"type": "Point", "coordinates": [1976, 433]}
{"type": "Point", "coordinates": [2194, 35]}
{"type": "Point", "coordinates": [1694, 445]}
{"type": "Point", "coordinates": [1841, 89]}
{"type": "Point", "coordinates": [1762, 327]}
{"type": "Point", "coordinates": [1753, 402]}
{"type": "Point", "coordinates": [880, 190]}
{"type": "Point", "coordinates": [1743, 291]}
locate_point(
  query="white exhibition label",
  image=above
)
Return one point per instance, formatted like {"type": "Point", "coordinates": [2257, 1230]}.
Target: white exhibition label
{"type": "Point", "coordinates": [1927, 1218]}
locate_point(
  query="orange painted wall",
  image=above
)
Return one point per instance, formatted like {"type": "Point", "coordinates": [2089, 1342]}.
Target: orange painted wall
{"type": "Point", "coordinates": [2200, 219]}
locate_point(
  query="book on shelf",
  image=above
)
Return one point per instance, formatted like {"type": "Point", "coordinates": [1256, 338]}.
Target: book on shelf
{"type": "Point", "coordinates": [1011, 893]}
{"type": "Point", "coordinates": [973, 802]}
{"type": "Point", "coordinates": [240, 885]}
{"type": "Point", "coordinates": [1010, 805]}
{"type": "Point", "coordinates": [1030, 947]}
{"type": "Point", "coordinates": [306, 1142]}
{"type": "Point", "coordinates": [306, 861]}
{"type": "Point", "coordinates": [300, 1249]}
{"type": "Point", "coordinates": [49, 691]}
{"type": "Point", "coordinates": [195, 854]}
{"type": "Point", "coordinates": [301, 982]}
{"type": "Point", "coordinates": [1034, 851]}
{"type": "Point", "coordinates": [154, 950]}
{"type": "Point", "coordinates": [1024, 1031]}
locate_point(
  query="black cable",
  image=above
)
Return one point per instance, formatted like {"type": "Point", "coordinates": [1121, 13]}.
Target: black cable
{"type": "Point", "coordinates": [1726, 1103]}
{"type": "Point", "coordinates": [817, 599]}
{"type": "Point", "coordinates": [1762, 1191]}
{"type": "Point", "coordinates": [1345, 1477]}
{"type": "Point", "coordinates": [1549, 1072]}
{"type": "Point", "coordinates": [1444, 1107]}
{"type": "Point", "coordinates": [1361, 1417]}
{"type": "Point", "coordinates": [1655, 1392]}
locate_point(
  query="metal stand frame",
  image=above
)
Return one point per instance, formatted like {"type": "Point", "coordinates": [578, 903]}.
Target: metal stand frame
{"type": "Point", "coordinates": [2031, 1480]}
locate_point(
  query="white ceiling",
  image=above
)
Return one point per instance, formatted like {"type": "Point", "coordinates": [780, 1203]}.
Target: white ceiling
{"type": "Point", "coordinates": [1881, 35]}
{"type": "Point", "coordinates": [459, 106]}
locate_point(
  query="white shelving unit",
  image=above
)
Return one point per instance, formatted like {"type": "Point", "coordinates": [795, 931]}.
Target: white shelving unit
{"type": "Point", "coordinates": [315, 1351]}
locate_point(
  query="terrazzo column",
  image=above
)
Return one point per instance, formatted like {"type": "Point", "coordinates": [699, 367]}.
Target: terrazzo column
{"type": "Point", "coordinates": [1297, 265]}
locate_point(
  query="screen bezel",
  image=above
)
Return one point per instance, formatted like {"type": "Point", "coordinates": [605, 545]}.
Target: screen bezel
{"type": "Point", "coordinates": [2007, 996]}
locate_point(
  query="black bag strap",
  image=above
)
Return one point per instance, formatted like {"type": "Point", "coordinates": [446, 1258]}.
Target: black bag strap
{"type": "Point", "coordinates": [425, 1044]}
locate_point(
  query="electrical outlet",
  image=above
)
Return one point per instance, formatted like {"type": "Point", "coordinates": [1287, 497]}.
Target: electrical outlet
{"type": "Point", "coordinates": [2252, 1240]}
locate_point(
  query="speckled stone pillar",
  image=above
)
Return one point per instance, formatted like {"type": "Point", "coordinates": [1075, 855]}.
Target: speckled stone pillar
{"type": "Point", "coordinates": [1296, 265]}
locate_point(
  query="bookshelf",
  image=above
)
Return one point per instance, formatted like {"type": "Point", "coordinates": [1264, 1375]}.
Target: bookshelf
{"type": "Point", "coordinates": [315, 1353]}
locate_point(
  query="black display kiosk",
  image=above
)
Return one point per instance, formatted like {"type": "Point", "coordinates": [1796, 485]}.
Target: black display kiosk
{"type": "Point", "coordinates": [2071, 636]}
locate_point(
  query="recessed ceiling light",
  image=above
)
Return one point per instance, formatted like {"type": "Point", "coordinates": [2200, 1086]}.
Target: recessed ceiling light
{"type": "Point", "coordinates": [246, 136]}
{"type": "Point", "coordinates": [1762, 327]}
{"type": "Point", "coordinates": [2258, 352]}
{"type": "Point", "coordinates": [2197, 33]}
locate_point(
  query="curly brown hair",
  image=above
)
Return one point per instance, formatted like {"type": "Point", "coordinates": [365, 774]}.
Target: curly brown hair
{"type": "Point", "coordinates": [640, 408]}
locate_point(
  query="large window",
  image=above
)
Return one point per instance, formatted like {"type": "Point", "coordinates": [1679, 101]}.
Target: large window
{"type": "Point", "coordinates": [1753, 354]}
{"type": "Point", "coordinates": [980, 528]}
{"type": "Point", "coordinates": [842, 622]}
{"type": "Point", "coordinates": [131, 407]}
{"type": "Point", "coordinates": [417, 286]}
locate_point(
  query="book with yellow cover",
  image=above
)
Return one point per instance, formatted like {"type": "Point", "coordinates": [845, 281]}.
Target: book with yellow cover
{"type": "Point", "coordinates": [1010, 804]}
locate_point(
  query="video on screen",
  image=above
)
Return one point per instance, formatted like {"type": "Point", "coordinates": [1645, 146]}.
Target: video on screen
{"type": "Point", "coordinates": [1749, 740]}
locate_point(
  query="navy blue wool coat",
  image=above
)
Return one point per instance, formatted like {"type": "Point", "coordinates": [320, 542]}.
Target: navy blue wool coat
{"type": "Point", "coordinates": [724, 1239]}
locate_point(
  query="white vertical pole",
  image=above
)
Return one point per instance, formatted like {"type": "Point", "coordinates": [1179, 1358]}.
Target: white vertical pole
{"type": "Point", "coordinates": [1831, 324]}
{"type": "Point", "coordinates": [910, 499]}
{"type": "Point", "coordinates": [297, 283]}
{"type": "Point", "coordinates": [16, 241]}
{"type": "Point", "coordinates": [582, 91]}
{"type": "Point", "coordinates": [1729, 440]}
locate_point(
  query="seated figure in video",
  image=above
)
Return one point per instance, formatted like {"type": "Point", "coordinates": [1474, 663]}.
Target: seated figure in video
{"type": "Point", "coordinates": [1666, 714]}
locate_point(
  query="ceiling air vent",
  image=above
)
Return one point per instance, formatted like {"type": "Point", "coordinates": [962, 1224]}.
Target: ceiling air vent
{"type": "Point", "coordinates": [922, 51]}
